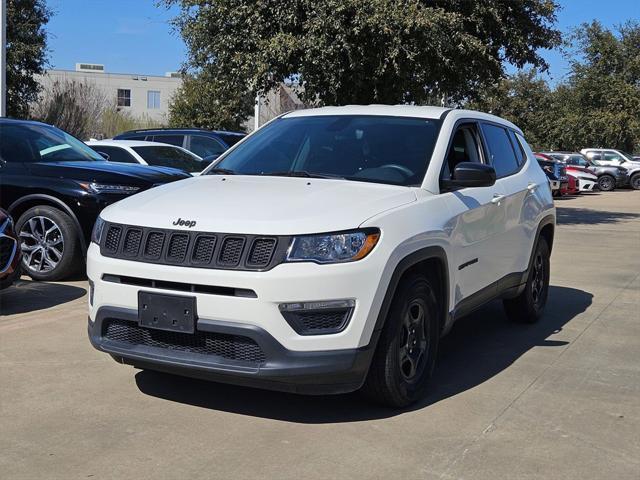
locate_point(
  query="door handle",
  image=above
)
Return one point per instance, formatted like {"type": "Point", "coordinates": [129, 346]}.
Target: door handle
{"type": "Point", "coordinates": [532, 187]}
{"type": "Point", "coordinates": [497, 198]}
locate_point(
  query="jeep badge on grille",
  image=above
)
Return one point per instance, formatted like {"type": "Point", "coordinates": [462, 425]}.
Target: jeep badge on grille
{"type": "Point", "coordinates": [185, 223]}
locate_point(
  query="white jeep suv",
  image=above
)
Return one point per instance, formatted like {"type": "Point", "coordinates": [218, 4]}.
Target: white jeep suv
{"type": "Point", "coordinates": [327, 252]}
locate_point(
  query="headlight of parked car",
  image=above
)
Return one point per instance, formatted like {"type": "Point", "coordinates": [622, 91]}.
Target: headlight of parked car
{"type": "Point", "coordinates": [333, 247]}
{"type": "Point", "coordinates": [96, 233]}
{"type": "Point", "coordinates": [95, 187]}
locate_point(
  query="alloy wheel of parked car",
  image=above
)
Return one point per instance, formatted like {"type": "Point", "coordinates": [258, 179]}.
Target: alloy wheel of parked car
{"type": "Point", "coordinates": [635, 181]}
{"type": "Point", "coordinates": [606, 183]}
{"type": "Point", "coordinates": [415, 341]}
{"type": "Point", "coordinates": [42, 244]}
{"type": "Point", "coordinates": [49, 242]}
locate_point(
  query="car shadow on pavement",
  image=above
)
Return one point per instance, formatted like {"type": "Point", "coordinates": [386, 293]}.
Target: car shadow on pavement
{"type": "Point", "coordinates": [479, 347]}
{"type": "Point", "coordinates": [28, 296]}
{"type": "Point", "coordinates": [585, 216]}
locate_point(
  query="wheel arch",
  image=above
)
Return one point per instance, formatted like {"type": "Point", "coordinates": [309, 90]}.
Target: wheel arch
{"type": "Point", "coordinates": [20, 206]}
{"type": "Point", "coordinates": [432, 261]}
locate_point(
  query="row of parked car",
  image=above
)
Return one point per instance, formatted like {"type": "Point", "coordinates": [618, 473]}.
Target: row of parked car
{"type": "Point", "coordinates": [54, 186]}
{"type": "Point", "coordinates": [570, 173]}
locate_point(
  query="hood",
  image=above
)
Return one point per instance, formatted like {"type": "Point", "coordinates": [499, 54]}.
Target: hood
{"type": "Point", "coordinates": [259, 205]}
{"type": "Point", "coordinates": [130, 174]}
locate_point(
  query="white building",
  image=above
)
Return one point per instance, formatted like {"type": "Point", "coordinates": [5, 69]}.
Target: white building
{"type": "Point", "coordinates": [143, 96]}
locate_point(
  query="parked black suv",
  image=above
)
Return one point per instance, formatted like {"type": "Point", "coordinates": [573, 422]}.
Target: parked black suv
{"type": "Point", "coordinates": [204, 143]}
{"type": "Point", "coordinates": [54, 186]}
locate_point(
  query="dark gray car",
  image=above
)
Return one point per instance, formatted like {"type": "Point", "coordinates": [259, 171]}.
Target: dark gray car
{"type": "Point", "coordinates": [609, 177]}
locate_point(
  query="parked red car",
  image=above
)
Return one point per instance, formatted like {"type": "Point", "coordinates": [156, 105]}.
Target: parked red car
{"type": "Point", "coordinates": [9, 251]}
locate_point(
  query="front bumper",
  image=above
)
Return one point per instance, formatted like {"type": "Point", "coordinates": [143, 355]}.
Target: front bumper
{"type": "Point", "coordinates": [320, 372]}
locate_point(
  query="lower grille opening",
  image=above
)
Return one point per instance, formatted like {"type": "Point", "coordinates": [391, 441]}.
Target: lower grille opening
{"type": "Point", "coordinates": [180, 287]}
{"type": "Point", "coordinates": [230, 347]}
{"type": "Point", "coordinates": [318, 322]}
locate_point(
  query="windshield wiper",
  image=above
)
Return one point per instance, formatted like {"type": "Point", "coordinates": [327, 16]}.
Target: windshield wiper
{"type": "Point", "coordinates": [220, 171]}
{"type": "Point", "coordinates": [301, 173]}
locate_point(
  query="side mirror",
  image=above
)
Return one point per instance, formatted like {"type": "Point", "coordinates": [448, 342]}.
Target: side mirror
{"type": "Point", "coordinates": [104, 155]}
{"type": "Point", "coordinates": [469, 174]}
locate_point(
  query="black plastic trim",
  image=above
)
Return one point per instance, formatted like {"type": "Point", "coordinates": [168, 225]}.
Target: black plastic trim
{"type": "Point", "coordinates": [277, 255]}
{"type": "Point", "coordinates": [316, 372]}
{"type": "Point", "coordinates": [403, 266]}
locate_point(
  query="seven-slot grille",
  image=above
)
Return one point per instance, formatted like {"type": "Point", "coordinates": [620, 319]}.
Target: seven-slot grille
{"type": "Point", "coordinates": [192, 249]}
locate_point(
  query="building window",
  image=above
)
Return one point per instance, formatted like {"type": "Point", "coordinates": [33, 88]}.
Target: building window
{"type": "Point", "coordinates": [124, 97]}
{"type": "Point", "coordinates": [153, 99]}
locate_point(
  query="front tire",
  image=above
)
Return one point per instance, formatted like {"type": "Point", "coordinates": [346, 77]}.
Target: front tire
{"type": "Point", "coordinates": [405, 356]}
{"type": "Point", "coordinates": [50, 244]}
{"type": "Point", "coordinates": [634, 181]}
{"type": "Point", "coordinates": [528, 307]}
{"type": "Point", "coordinates": [606, 183]}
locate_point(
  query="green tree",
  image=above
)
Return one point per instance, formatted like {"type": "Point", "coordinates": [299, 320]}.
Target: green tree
{"type": "Point", "coordinates": [26, 52]}
{"type": "Point", "coordinates": [355, 51]}
{"type": "Point", "coordinates": [525, 99]}
{"type": "Point", "coordinates": [599, 105]}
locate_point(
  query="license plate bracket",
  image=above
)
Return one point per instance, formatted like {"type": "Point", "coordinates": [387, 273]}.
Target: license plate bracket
{"type": "Point", "coordinates": [174, 313]}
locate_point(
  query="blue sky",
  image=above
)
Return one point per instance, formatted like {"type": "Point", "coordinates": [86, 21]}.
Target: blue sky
{"type": "Point", "coordinates": [134, 36]}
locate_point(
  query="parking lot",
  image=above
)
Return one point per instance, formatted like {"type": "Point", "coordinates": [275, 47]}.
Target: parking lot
{"type": "Point", "coordinates": [559, 399]}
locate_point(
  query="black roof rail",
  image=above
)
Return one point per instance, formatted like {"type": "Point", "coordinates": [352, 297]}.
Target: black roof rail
{"type": "Point", "coordinates": [140, 130]}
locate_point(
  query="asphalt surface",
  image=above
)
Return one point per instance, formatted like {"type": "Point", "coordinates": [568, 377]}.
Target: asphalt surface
{"type": "Point", "coordinates": [559, 399]}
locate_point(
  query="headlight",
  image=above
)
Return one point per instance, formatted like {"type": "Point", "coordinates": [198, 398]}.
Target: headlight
{"type": "Point", "coordinates": [96, 233]}
{"type": "Point", "coordinates": [334, 247]}
{"type": "Point", "coordinates": [109, 188]}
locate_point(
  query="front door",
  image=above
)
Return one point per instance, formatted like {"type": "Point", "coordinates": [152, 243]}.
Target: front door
{"type": "Point", "coordinates": [477, 222]}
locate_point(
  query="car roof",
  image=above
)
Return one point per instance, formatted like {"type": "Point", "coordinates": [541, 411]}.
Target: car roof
{"type": "Point", "coordinates": [16, 121]}
{"type": "Point", "coordinates": [151, 131]}
{"type": "Point", "coordinates": [128, 143]}
{"type": "Point", "coordinates": [409, 111]}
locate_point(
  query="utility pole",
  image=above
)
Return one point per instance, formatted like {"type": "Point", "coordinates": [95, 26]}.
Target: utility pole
{"type": "Point", "coordinates": [3, 58]}
{"type": "Point", "coordinates": [256, 110]}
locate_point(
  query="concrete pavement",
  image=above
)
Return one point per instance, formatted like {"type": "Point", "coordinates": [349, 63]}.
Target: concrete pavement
{"type": "Point", "coordinates": [559, 399]}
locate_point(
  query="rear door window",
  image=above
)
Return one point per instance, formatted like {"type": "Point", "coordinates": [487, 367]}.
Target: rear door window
{"type": "Point", "coordinates": [116, 154]}
{"type": "Point", "coordinates": [176, 140]}
{"type": "Point", "coordinates": [205, 146]}
{"type": "Point", "coordinates": [501, 154]}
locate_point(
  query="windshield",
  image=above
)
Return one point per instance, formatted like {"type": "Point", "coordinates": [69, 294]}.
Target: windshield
{"type": "Point", "coordinates": [41, 143]}
{"type": "Point", "coordinates": [392, 150]}
{"type": "Point", "coordinates": [170, 157]}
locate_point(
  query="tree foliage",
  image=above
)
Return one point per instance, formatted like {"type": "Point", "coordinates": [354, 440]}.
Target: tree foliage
{"type": "Point", "coordinates": [598, 105]}
{"type": "Point", "coordinates": [355, 51]}
{"type": "Point", "coordinates": [26, 52]}
{"type": "Point", "coordinates": [84, 110]}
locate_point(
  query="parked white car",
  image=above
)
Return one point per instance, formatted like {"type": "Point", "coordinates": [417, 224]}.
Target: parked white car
{"type": "Point", "coordinates": [327, 252]}
{"type": "Point", "coordinates": [586, 181]}
{"type": "Point", "coordinates": [149, 153]}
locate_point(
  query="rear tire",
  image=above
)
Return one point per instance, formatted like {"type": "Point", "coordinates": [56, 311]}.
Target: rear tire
{"type": "Point", "coordinates": [50, 244]}
{"type": "Point", "coordinates": [528, 307]}
{"type": "Point", "coordinates": [606, 183]}
{"type": "Point", "coordinates": [405, 356]}
{"type": "Point", "coordinates": [634, 181]}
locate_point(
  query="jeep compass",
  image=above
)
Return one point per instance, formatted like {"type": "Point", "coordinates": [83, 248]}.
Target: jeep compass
{"type": "Point", "coordinates": [328, 252]}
